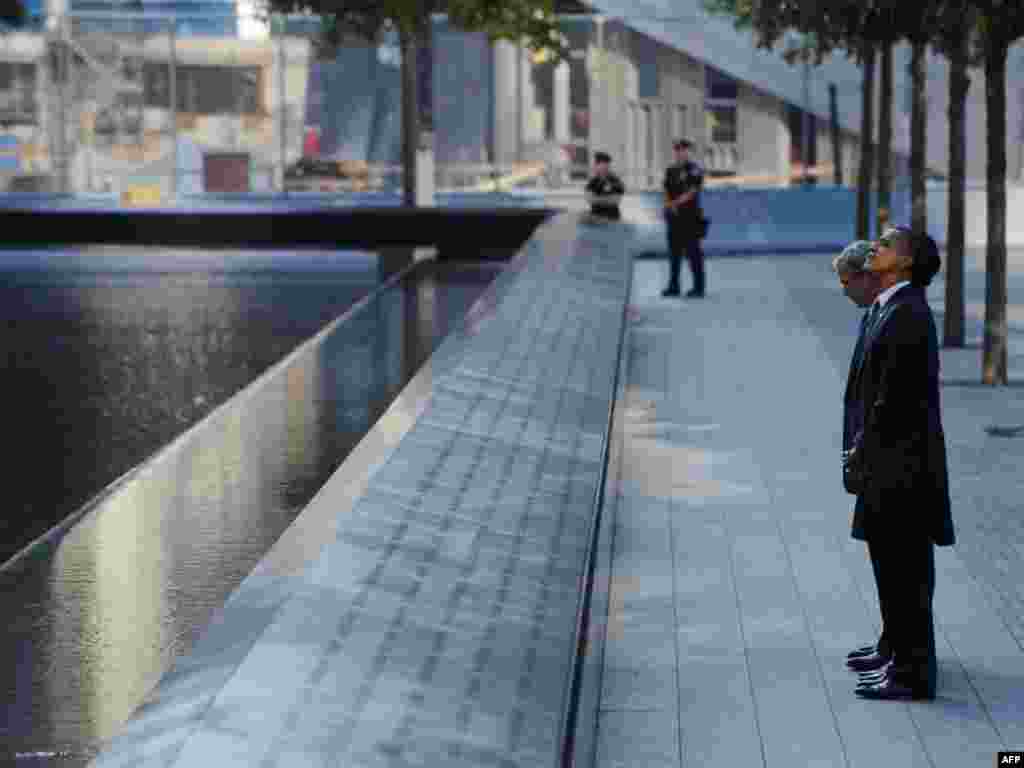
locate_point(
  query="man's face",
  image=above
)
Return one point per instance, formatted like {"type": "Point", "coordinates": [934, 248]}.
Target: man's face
{"type": "Point", "coordinates": [682, 154]}
{"type": "Point", "coordinates": [859, 287]}
{"type": "Point", "coordinates": [602, 168]}
{"type": "Point", "coordinates": [891, 253]}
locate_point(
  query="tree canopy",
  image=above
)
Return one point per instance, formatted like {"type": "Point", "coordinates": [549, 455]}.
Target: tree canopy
{"type": "Point", "coordinates": [12, 12]}
{"type": "Point", "coordinates": [532, 21]}
{"type": "Point", "coordinates": [829, 25]}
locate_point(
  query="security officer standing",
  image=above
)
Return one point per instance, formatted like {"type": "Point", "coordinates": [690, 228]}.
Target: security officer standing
{"type": "Point", "coordinates": [605, 189]}
{"type": "Point", "coordinates": [684, 218]}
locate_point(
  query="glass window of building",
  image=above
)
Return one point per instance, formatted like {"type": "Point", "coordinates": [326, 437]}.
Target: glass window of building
{"type": "Point", "coordinates": [719, 86]}
{"type": "Point", "coordinates": [205, 90]}
{"type": "Point", "coordinates": [803, 129]}
{"type": "Point", "coordinates": [721, 124]}
{"type": "Point", "coordinates": [720, 96]}
{"type": "Point", "coordinates": [542, 77]}
{"type": "Point", "coordinates": [17, 92]}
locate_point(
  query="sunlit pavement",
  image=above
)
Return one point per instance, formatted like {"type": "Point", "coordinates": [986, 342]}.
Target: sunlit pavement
{"type": "Point", "coordinates": [736, 590]}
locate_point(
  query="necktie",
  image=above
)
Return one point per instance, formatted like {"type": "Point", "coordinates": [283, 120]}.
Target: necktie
{"type": "Point", "coordinates": [876, 308]}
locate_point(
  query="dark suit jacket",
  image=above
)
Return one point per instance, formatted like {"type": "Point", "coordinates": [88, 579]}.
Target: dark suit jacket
{"type": "Point", "coordinates": [902, 441]}
{"type": "Point", "coordinates": [853, 414]}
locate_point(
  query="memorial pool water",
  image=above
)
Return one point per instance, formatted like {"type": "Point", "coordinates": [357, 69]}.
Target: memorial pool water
{"type": "Point", "coordinates": [107, 360]}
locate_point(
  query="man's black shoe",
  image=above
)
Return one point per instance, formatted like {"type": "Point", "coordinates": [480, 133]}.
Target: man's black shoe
{"type": "Point", "coordinates": [695, 294]}
{"type": "Point", "coordinates": [864, 650]}
{"type": "Point", "coordinates": [867, 663]}
{"type": "Point", "coordinates": [670, 292]}
{"type": "Point", "coordinates": [873, 678]}
{"type": "Point", "coordinates": [892, 690]}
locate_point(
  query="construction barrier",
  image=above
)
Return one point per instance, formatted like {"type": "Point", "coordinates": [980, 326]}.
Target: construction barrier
{"type": "Point", "coordinates": [142, 195]}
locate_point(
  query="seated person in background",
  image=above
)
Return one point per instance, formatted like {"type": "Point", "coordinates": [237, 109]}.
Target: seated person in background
{"type": "Point", "coordinates": [605, 189]}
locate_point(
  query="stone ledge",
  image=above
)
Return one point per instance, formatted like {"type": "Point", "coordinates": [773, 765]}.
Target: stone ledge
{"type": "Point", "coordinates": [442, 619]}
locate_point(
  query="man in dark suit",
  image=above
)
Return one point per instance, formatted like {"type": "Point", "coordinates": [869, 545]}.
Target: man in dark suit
{"type": "Point", "coordinates": [861, 287]}
{"type": "Point", "coordinates": [903, 509]}
{"type": "Point", "coordinates": [684, 218]}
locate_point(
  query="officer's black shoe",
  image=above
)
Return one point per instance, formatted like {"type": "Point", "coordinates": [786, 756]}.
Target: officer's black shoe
{"type": "Point", "coordinates": [695, 294]}
{"type": "Point", "coordinates": [670, 292]}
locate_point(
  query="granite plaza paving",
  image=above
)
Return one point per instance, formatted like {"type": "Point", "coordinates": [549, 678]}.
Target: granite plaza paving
{"type": "Point", "coordinates": [733, 590]}
{"type": "Point", "coordinates": [736, 590]}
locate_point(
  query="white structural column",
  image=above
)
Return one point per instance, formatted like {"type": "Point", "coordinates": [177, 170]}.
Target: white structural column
{"type": "Point", "coordinates": [425, 170]}
{"type": "Point", "coordinates": [282, 107]}
{"type": "Point", "coordinates": [505, 104]}
{"type": "Point", "coordinates": [640, 137]}
{"type": "Point", "coordinates": [784, 142]}
{"type": "Point", "coordinates": [658, 132]}
{"type": "Point", "coordinates": [561, 104]}
{"type": "Point", "coordinates": [525, 101]}
{"type": "Point", "coordinates": [596, 75]}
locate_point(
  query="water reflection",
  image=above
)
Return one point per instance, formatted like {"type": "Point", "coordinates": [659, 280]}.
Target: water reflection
{"type": "Point", "coordinates": [107, 366]}
{"type": "Point", "coordinates": [100, 617]}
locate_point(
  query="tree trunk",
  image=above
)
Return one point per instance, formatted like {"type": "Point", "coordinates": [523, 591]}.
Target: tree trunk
{"type": "Point", "coordinates": [837, 137]}
{"type": "Point", "coordinates": [410, 117]}
{"type": "Point", "coordinates": [918, 138]}
{"type": "Point", "coordinates": [959, 82]}
{"type": "Point", "coordinates": [867, 122]}
{"type": "Point", "coordinates": [885, 139]}
{"type": "Point", "coordinates": [994, 361]}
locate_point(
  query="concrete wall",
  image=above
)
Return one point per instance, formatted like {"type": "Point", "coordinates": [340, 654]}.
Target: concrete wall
{"type": "Point", "coordinates": [976, 231]}
{"type": "Point", "coordinates": [614, 83]}
{"type": "Point", "coordinates": [637, 86]}
{"type": "Point", "coordinates": [763, 133]}
{"type": "Point", "coordinates": [977, 124]}
{"type": "Point", "coordinates": [849, 153]}
{"type": "Point", "coordinates": [715, 40]}
{"type": "Point", "coordinates": [682, 83]}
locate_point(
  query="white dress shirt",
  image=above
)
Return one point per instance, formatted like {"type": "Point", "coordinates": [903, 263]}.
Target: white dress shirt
{"type": "Point", "coordinates": [888, 293]}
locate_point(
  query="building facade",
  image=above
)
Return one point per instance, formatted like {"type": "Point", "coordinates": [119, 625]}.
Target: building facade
{"type": "Point", "coordinates": [87, 99]}
{"type": "Point", "coordinates": [86, 112]}
{"type": "Point", "coordinates": [684, 26]}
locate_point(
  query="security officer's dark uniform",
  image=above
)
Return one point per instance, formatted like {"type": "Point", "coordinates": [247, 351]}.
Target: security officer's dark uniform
{"type": "Point", "coordinates": [684, 226]}
{"type": "Point", "coordinates": [600, 186]}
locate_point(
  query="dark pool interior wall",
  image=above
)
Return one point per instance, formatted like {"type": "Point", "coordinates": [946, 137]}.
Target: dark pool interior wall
{"type": "Point", "coordinates": [97, 615]}
{"type": "Point", "coordinates": [238, 225]}
{"type": "Point", "coordinates": [109, 354]}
